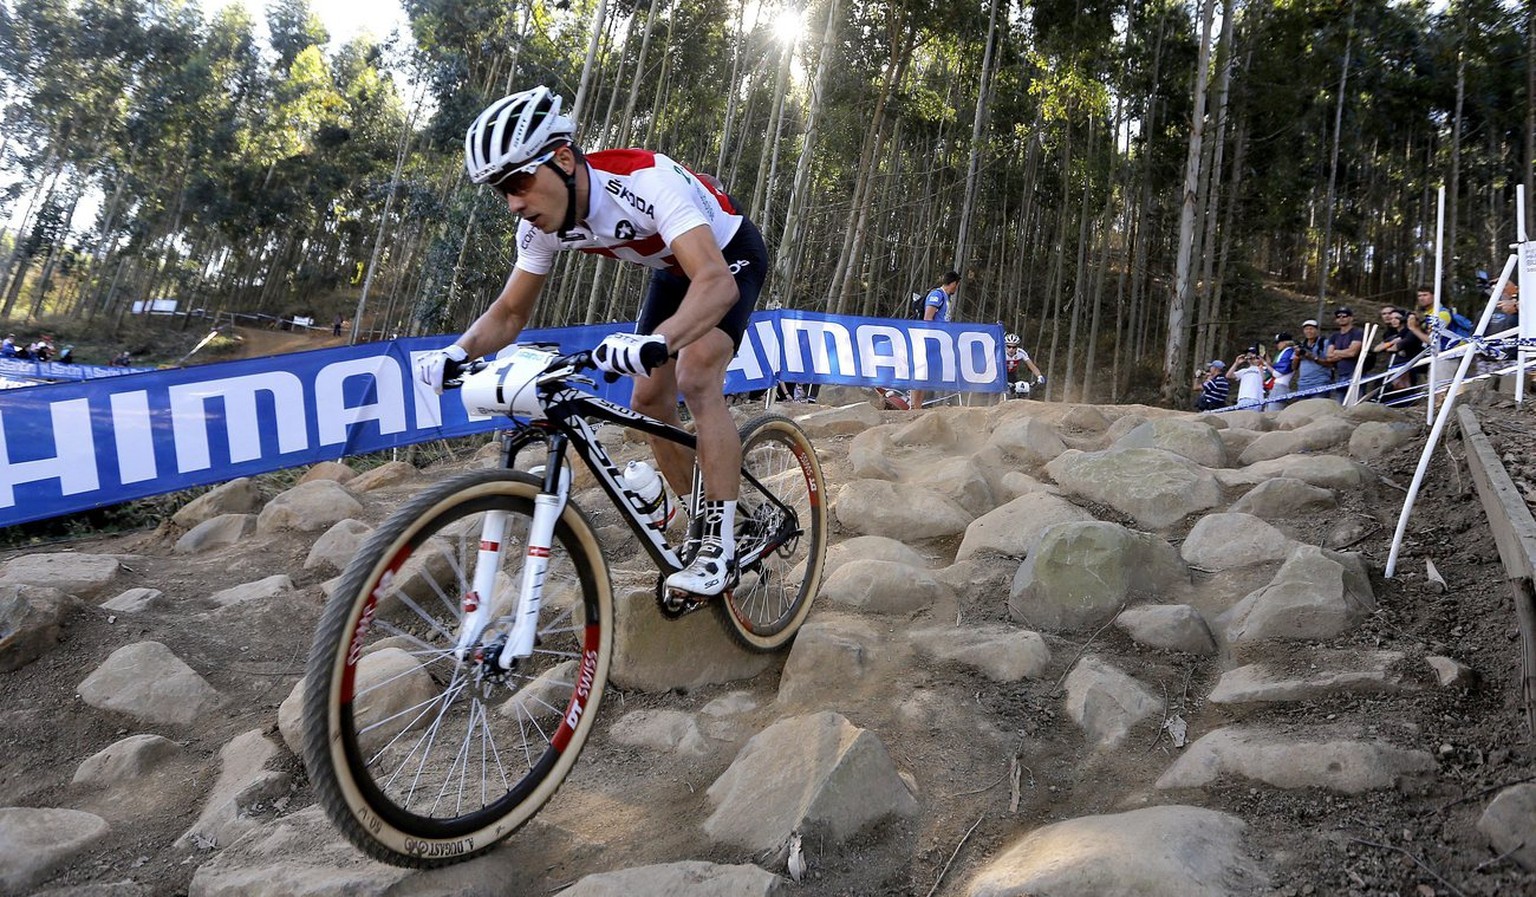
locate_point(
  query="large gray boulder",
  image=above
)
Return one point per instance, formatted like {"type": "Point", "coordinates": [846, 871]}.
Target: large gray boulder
{"type": "Point", "coordinates": [1327, 471]}
{"type": "Point", "coordinates": [883, 587]}
{"type": "Point", "coordinates": [1316, 594]}
{"type": "Point", "coordinates": [903, 512]}
{"type": "Point", "coordinates": [1313, 675]}
{"type": "Point", "coordinates": [31, 618]}
{"type": "Point", "coordinates": [1194, 439]}
{"type": "Point", "coordinates": [818, 775]}
{"type": "Point", "coordinates": [1224, 541]}
{"type": "Point", "coordinates": [1001, 653]}
{"type": "Point", "coordinates": [146, 681]}
{"type": "Point", "coordinates": [1318, 436]}
{"type": "Point", "coordinates": [647, 647]}
{"type": "Point", "coordinates": [849, 420]}
{"type": "Point", "coordinates": [871, 548]}
{"type": "Point", "coordinates": [334, 549]}
{"type": "Point", "coordinates": [1029, 441]}
{"type": "Point", "coordinates": [36, 842]}
{"type": "Point", "coordinates": [869, 456]}
{"type": "Point", "coordinates": [1169, 851]}
{"type": "Point", "coordinates": [1293, 761]}
{"type": "Point", "coordinates": [832, 657]}
{"type": "Point", "coordinates": [1375, 439]}
{"type": "Point", "coordinates": [1107, 703]}
{"type": "Point", "coordinates": [130, 758]}
{"type": "Point", "coordinates": [1167, 627]}
{"type": "Point", "coordinates": [308, 508]}
{"type": "Point", "coordinates": [689, 878]}
{"type": "Point", "coordinates": [234, 497]}
{"type": "Point", "coordinates": [1154, 486]}
{"type": "Point", "coordinates": [1509, 824]}
{"type": "Point", "coordinates": [266, 589]}
{"type": "Point", "coordinates": [245, 787]}
{"type": "Point", "coordinates": [1079, 574]}
{"type": "Point", "coordinates": [86, 576]}
{"type": "Point", "coordinates": [1014, 527]}
{"type": "Point", "coordinates": [1305, 411]}
{"type": "Point", "coordinates": [1285, 497]}
{"type": "Point", "coordinates": [962, 480]}
{"type": "Point", "coordinates": [215, 533]}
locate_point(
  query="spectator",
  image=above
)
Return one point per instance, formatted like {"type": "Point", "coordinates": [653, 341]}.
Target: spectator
{"type": "Point", "coordinates": [41, 350]}
{"type": "Point", "coordinates": [67, 355]}
{"type": "Point", "coordinates": [122, 359]}
{"type": "Point", "coordinates": [1409, 348]}
{"type": "Point", "coordinates": [336, 323]}
{"type": "Point", "coordinates": [1344, 349]}
{"type": "Point", "coordinates": [1506, 314]}
{"type": "Point", "coordinates": [1249, 370]}
{"type": "Point", "coordinates": [1310, 352]}
{"type": "Point", "coordinates": [1213, 386]}
{"type": "Point", "coordinates": [936, 308]}
{"type": "Point", "coordinates": [8, 346]}
{"type": "Point", "coordinates": [1284, 370]}
{"type": "Point", "coordinates": [1392, 330]}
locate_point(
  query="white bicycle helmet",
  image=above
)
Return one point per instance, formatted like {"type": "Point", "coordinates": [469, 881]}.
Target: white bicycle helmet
{"type": "Point", "coordinates": [1011, 340]}
{"type": "Point", "coordinates": [513, 132]}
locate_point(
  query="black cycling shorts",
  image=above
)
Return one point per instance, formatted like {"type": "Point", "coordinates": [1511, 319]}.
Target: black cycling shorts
{"type": "Point", "coordinates": [748, 260]}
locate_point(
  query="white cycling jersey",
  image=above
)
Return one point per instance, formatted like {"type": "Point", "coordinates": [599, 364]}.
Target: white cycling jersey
{"type": "Point", "coordinates": [638, 203]}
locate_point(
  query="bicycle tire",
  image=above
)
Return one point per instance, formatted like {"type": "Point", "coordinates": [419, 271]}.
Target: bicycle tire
{"type": "Point", "coordinates": [773, 598]}
{"type": "Point", "coordinates": [400, 586]}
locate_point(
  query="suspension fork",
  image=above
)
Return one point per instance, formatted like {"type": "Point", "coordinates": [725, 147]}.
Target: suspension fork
{"type": "Point", "coordinates": [548, 505]}
{"type": "Point", "coordinates": [478, 602]}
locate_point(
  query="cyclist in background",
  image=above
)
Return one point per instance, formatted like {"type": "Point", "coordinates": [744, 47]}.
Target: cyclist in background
{"type": "Point", "coordinates": [708, 262]}
{"type": "Point", "coordinates": [1016, 360]}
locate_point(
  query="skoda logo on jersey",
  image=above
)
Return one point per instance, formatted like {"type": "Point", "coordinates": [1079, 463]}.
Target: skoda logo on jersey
{"type": "Point", "coordinates": [624, 231]}
{"type": "Point", "coordinates": [639, 202]}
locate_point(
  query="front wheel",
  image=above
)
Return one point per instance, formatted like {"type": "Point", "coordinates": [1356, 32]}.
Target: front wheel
{"type": "Point", "coordinates": [422, 758]}
{"type": "Point", "coordinates": [781, 534]}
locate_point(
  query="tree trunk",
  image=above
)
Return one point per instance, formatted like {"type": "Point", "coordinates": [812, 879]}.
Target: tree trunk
{"type": "Point", "coordinates": [1324, 264]}
{"type": "Point", "coordinates": [978, 125]}
{"type": "Point", "coordinates": [1175, 387]}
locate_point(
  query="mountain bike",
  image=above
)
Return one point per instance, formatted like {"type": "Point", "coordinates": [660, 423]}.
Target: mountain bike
{"type": "Point", "coordinates": [458, 666]}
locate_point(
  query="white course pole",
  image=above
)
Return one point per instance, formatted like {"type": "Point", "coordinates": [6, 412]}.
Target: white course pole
{"type": "Point", "coordinates": [1434, 344]}
{"type": "Point", "coordinates": [1445, 415]}
{"type": "Point", "coordinates": [1352, 395]}
{"type": "Point", "coordinates": [1527, 279]}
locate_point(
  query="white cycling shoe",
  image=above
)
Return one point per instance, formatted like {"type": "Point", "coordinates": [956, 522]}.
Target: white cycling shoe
{"type": "Point", "coordinates": [711, 572]}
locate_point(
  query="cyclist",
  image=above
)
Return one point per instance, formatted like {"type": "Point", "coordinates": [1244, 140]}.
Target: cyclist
{"type": "Point", "coordinates": [708, 262]}
{"type": "Point", "coordinates": [1016, 358]}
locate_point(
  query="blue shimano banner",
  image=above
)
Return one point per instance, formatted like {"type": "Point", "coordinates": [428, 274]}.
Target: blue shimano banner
{"type": "Point", "coordinates": [71, 447]}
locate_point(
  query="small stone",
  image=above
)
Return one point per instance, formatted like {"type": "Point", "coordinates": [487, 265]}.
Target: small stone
{"type": "Point", "coordinates": [1446, 749]}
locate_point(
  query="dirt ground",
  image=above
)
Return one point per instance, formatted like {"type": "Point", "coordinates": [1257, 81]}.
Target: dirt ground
{"type": "Point", "coordinates": [956, 732]}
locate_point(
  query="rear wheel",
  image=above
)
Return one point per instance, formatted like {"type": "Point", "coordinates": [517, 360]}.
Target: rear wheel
{"type": "Point", "coordinates": [422, 758]}
{"type": "Point", "coordinates": [781, 534]}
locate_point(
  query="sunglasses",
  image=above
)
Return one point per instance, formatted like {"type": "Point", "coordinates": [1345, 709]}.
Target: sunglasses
{"type": "Point", "coordinates": [1343, 315]}
{"type": "Point", "coordinates": [520, 182]}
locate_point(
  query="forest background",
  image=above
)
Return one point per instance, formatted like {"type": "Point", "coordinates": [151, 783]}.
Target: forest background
{"type": "Point", "coordinates": [1119, 181]}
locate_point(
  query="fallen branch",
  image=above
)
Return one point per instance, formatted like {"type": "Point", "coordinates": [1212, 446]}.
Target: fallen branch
{"type": "Point", "coordinates": [1078, 656]}
{"type": "Point", "coordinates": [1476, 794]}
{"type": "Point", "coordinates": [945, 870]}
{"type": "Point", "coordinates": [1418, 862]}
{"type": "Point", "coordinates": [981, 790]}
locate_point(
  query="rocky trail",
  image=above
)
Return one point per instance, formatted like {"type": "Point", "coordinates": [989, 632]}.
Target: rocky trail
{"type": "Point", "coordinates": [1059, 649]}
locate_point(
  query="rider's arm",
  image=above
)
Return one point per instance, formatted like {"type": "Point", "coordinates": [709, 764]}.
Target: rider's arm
{"type": "Point", "coordinates": [500, 324]}
{"type": "Point", "coordinates": [711, 288]}
{"type": "Point", "coordinates": [1031, 363]}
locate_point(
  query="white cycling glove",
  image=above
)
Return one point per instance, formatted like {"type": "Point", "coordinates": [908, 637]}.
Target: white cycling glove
{"type": "Point", "coordinates": [1040, 380]}
{"type": "Point", "coordinates": [630, 354]}
{"type": "Point", "coordinates": [431, 369]}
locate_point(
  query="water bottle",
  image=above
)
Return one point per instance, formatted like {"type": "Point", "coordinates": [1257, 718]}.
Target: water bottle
{"type": "Point", "coordinates": [643, 480]}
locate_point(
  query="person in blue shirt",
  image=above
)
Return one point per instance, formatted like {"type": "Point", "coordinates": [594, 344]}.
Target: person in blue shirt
{"type": "Point", "coordinates": [936, 308]}
{"type": "Point", "coordinates": [1284, 369]}
{"type": "Point", "coordinates": [1213, 386]}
